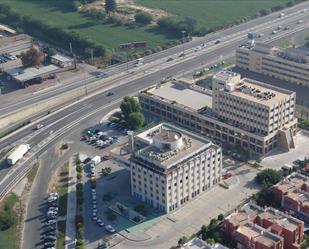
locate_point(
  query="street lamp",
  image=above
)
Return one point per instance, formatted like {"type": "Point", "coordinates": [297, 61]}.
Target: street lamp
{"type": "Point", "coordinates": [183, 42]}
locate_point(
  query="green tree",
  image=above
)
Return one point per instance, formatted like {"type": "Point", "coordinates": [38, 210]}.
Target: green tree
{"type": "Point", "coordinates": [110, 6]}
{"type": "Point", "coordinates": [32, 57]}
{"type": "Point", "coordinates": [220, 217]}
{"type": "Point", "coordinates": [129, 105]}
{"type": "Point", "coordinates": [182, 240]}
{"type": "Point", "coordinates": [268, 177]}
{"type": "Point", "coordinates": [136, 120]}
{"type": "Point", "coordinates": [143, 17]}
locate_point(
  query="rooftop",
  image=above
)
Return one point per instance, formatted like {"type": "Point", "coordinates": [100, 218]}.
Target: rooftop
{"type": "Point", "coordinates": [256, 92]}
{"type": "Point", "coordinates": [297, 55]}
{"type": "Point", "coordinates": [259, 234]}
{"type": "Point", "coordinates": [61, 58]}
{"type": "Point", "coordinates": [182, 93]}
{"type": "Point", "coordinates": [22, 75]}
{"type": "Point", "coordinates": [167, 145]}
{"type": "Point", "coordinates": [200, 244]}
{"type": "Point", "coordinates": [292, 182]}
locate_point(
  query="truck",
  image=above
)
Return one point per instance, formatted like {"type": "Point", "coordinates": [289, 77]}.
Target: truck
{"type": "Point", "coordinates": [252, 35]}
{"type": "Point", "coordinates": [96, 160]}
{"type": "Point", "coordinates": [18, 153]}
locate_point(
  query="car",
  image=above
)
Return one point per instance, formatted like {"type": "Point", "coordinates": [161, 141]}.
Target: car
{"type": "Point", "coordinates": [169, 59]}
{"type": "Point", "coordinates": [53, 209]}
{"type": "Point", "coordinates": [39, 126]}
{"type": "Point", "coordinates": [50, 248]}
{"type": "Point", "coordinates": [101, 75]}
{"type": "Point", "coordinates": [106, 157]}
{"type": "Point", "coordinates": [51, 233]}
{"type": "Point", "coordinates": [110, 229]}
{"type": "Point", "coordinates": [94, 201]}
{"type": "Point", "coordinates": [182, 55]}
{"type": "Point", "coordinates": [50, 238]}
{"type": "Point", "coordinates": [92, 174]}
{"type": "Point", "coordinates": [94, 210]}
{"type": "Point", "coordinates": [217, 41]}
{"type": "Point", "coordinates": [94, 206]}
{"type": "Point", "coordinates": [94, 218]}
{"type": "Point", "coordinates": [109, 94]}
{"type": "Point", "coordinates": [50, 244]}
{"type": "Point", "coordinates": [100, 222]}
{"type": "Point", "coordinates": [50, 222]}
{"type": "Point", "coordinates": [297, 162]}
{"type": "Point", "coordinates": [50, 229]}
{"type": "Point", "coordinates": [300, 21]}
{"type": "Point", "coordinates": [52, 215]}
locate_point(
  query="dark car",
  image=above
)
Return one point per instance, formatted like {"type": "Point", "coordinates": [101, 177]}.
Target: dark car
{"type": "Point", "coordinates": [109, 94]}
{"type": "Point", "coordinates": [217, 41]}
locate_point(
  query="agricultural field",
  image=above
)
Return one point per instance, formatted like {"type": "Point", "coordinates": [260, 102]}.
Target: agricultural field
{"type": "Point", "coordinates": [211, 13]}
{"type": "Point", "coordinates": [208, 13]}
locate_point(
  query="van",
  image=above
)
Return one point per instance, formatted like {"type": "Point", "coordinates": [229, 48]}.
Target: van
{"type": "Point", "coordinates": [286, 167]}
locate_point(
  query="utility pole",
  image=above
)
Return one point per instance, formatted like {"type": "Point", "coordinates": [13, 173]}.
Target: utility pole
{"type": "Point", "coordinates": [91, 53]}
{"type": "Point", "coordinates": [183, 42]}
{"type": "Point", "coordinates": [71, 50]}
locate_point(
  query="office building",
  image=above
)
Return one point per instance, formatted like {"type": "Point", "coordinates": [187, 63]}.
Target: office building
{"type": "Point", "coordinates": [170, 166]}
{"type": "Point", "coordinates": [242, 112]}
{"type": "Point", "coordinates": [289, 64]}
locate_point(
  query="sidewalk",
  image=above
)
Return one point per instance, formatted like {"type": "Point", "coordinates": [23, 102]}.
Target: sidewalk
{"type": "Point", "coordinates": [70, 234]}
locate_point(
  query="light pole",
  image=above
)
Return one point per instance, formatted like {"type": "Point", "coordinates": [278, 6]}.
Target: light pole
{"type": "Point", "coordinates": [183, 42]}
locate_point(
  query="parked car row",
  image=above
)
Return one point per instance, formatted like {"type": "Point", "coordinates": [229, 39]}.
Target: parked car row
{"type": "Point", "coordinates": [118, 127]}
{"type": "Point", "coordinates": [6, 57]}
{"type": "Point", "coordinates": [50, 231]}
{"type": "Point", "coordinates": [95, 218]}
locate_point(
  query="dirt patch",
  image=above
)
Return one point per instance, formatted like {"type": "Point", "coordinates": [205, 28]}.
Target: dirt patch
{"type": "Point", "coordinates": [126, 9]}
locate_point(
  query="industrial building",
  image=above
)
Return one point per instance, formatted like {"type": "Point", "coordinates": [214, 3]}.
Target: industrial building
{"type": "Point", "coordinates": [61, 61]}
{"type": "Point", "coordinates": [243, 112]}
{"type": "Point", "coordinates": [171, 166]}
{"type": "Point", "coordinates": [291, 64]}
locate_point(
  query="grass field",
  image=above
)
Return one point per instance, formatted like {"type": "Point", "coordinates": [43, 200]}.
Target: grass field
{"type": "Point", "coordinates": [212, 13]}
{"type": "Point", "coordinates": [8, 238]}
{"type": "Point", "coordinates": [209, 13]}
{"type": "Point", "coordinates": [59, 13]}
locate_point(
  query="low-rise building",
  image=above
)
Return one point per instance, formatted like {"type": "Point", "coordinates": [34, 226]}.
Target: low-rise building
{"type": "Point", "coordinates": [242, 112]}
{"type": "Point", "coordinates": [61, 60]}
{"type": "Point", "coordinates": [171, 166]}
{"type": "Point", "coordinates": [252, 236]}
{"type": "Point", "coordinates": [293, 194]}
{"type": "Point", "coordinates": [289, 228]}
{"type": "Point", "coordinates": [197, 243]}
{"type": "Point", "coordinates": [289, 64]}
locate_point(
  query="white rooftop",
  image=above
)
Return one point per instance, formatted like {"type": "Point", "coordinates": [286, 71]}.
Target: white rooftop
{"type": "Point", "coordinates": [61, 58]}
{"type": "Point", "coordinates": [200, 244]}
{"type": "Point", "coordinates": [183, 94]}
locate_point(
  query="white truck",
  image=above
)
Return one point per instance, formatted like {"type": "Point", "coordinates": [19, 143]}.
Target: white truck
{"type": "Point", "coordinates": [18, 153]}
{"type": "Point", "coordinates": [96, 160]}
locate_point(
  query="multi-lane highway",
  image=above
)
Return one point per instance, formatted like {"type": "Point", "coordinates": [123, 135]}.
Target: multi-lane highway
{"type": "Point", "coordinates": [119, 72]}
{"type": "Point", "coordinates": [61, 123]}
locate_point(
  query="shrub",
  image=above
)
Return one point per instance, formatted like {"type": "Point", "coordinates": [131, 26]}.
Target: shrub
{"type": "Point", "coordinates": [79, 168]}
{"type": "Point", "coordinates": [143, 18]}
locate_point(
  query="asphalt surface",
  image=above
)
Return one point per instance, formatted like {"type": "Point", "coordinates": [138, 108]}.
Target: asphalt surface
{"type": "Point", "coordinates": [208, 40]}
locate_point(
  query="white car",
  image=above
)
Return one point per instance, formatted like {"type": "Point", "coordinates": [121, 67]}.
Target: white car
{"type": "Point", "coordinates": [110, 229]}
{"type": "Point", "coordinates": [39, 126]}
{"type": "Point", "coordinates": [100, 222]}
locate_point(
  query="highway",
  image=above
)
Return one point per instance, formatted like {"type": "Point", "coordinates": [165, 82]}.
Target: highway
{"type": "Point", "coordinates": [119, 72]}
{"type": "Point", "coordinates": [59, 124]}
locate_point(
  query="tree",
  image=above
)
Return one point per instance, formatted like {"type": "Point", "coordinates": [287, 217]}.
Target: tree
{"type": "Point", "coordinates": [182, 241]}
{"type": "Point", "coordinates": [220, 217]}
{"type": "Point", "coordinates": [110, 6]}
{"type": "Point", "coordinates": [268, 177]}
{"type": "Point", "coordinates": [136, 120]}
{"type": "Point", "coordinates": [32, 57]}
{"type": "Point", "coordinates": [143, 17]}
{"type": "Point", "coordinates": [129, 105]}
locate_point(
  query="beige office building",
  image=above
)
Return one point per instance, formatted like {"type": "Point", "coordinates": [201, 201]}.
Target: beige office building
{"type": "Point", "coordinates": [289, 64]}
{"type": "Point", "coordinates": [238, 111]}
{"type": "Point", "coordinates": [171, 166]}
